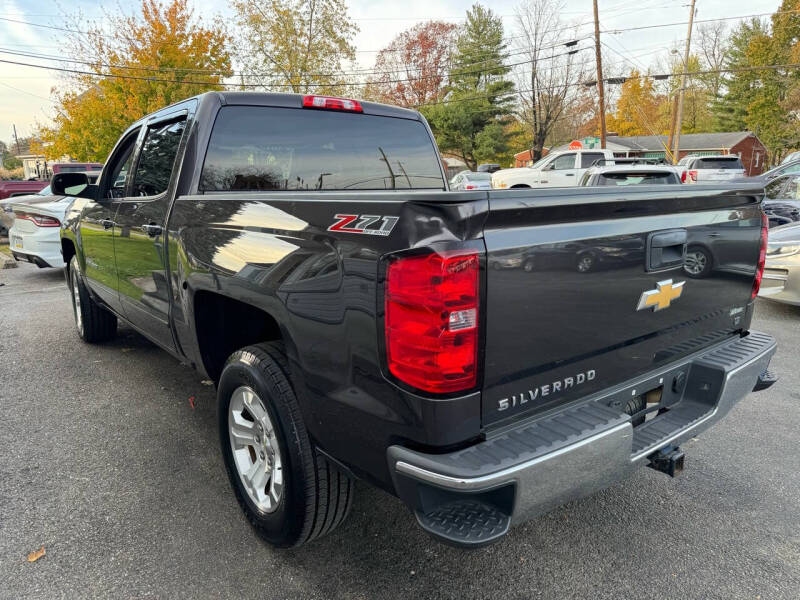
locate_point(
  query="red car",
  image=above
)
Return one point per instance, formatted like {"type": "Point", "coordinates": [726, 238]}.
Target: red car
{"type": "Point", "coordinates": [9, 189]}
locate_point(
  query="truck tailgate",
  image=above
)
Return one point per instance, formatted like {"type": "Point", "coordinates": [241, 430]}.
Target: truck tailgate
{"type": "Point", "coordinates": [567, 272]}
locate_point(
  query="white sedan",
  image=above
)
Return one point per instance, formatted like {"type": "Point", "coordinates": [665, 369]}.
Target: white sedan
{"type": "Point", "coordinates": [471, 180]}
{"type": "Point", "coordinates": [35, 233]}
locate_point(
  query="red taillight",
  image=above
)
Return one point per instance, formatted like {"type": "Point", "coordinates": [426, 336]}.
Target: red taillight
{"type": "Point", "coordinates": [39, 220]}
{"type": "Point", "coordinates": [470, 187]}
{"type": "Point", "coordinates": [683, 177]}
{"type": "Point", "coordinates": [762, 255]}
{"type": "Point", "coordinates": [693, 175]}
{"type": "Point", "coordinates": [432, 321]}
{"type": "Point", "coordinates": [332, 103]}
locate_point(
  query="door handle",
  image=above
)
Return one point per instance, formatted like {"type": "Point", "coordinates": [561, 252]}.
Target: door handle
{"type": "Point", "coordinates": [107, 223]}
{"type": "Point", "coordinates": [152, 229]}
{"type": "Point", "coordinates": [570, 174]}
{"type": "Point", "coordinates": [714, 234]}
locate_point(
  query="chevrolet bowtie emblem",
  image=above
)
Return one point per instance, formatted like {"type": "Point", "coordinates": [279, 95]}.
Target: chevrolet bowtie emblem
{"type": "Point", "coordinates": [662, 296]}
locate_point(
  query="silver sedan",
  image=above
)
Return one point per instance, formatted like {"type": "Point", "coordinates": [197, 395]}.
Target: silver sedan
{"type": "Point", "coordinates": [781, 280]}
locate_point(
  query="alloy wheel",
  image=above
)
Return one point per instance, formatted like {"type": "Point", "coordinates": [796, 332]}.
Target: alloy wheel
{"type": "Point", "coordinates": [76, 303]}
{"type": "Point", "coordinates": [256, 453]}
{"type": "Point", "coordinates": [695, 262]}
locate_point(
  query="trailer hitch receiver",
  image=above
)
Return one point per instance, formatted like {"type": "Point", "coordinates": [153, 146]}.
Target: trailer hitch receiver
{"type": "Point", "coordinates": [668, 460]}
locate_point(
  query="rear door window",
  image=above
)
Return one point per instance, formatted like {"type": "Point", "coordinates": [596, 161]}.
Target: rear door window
{"type": "Point", "coordinates": [588, 158]}
{"type": "Point", "coordinates": [157, 158]}
{"type": "Point", "coordinates": [268, 148]}
{"type": "Point", "coordinates": [719, 163]}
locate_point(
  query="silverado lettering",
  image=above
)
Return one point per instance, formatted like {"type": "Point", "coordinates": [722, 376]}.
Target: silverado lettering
{"type": "Point", "coordinates": [545, 390]}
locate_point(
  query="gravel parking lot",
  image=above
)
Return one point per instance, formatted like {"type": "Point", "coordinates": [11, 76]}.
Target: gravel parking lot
{"type": "Point", "coordinates": [105, 462]}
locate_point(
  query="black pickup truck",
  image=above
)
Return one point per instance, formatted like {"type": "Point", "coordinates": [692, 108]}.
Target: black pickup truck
{"type": "Point", "coordinates": [359, 320]}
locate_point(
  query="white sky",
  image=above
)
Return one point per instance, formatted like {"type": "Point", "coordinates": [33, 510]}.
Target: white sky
{"type": "Point", "coordinates": [24, 91]}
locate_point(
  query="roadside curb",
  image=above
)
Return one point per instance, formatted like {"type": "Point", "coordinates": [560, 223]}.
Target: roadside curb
{"type": "Point", "coordinates": [7, 262]}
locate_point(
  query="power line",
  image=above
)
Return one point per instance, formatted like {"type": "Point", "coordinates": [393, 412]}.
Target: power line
{"type": "Point", "coordinates": [616, 80]}
{"type": "Point", "coordinates": [641, 27]}
{"type": "Point", "coordinates": [503, 66]}
{"type": "Point", "coordinates": [28, 93]}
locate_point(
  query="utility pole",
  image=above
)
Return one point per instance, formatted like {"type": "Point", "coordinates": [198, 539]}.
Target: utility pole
{"type": "Point", "coordinates": [679, 118]}
{"type": "Point", "coordinates": [672, 125]}
{"type": "Point", "coordinates": [600, 91]}
{"type": "Point", "coordinates": [16, 139]}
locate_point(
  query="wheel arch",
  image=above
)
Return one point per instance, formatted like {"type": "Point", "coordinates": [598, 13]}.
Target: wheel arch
{"type": "Point", "coordinates": [224, 325]}
{"type": "Point", "coordinates": [67, 252]}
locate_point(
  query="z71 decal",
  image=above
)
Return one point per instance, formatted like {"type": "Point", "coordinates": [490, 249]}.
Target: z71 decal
{"type": "Point", "coordinates": [364, 224]}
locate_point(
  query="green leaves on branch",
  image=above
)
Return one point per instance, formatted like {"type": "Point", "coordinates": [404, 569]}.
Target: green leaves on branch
{"type": "Point", "coordinates": [296, 46]}
{"type": "Point", "coordinates": [470, 121]}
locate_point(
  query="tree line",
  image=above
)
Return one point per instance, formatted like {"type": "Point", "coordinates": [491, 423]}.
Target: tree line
{"type": "Point", "coordinates": [487, 91]}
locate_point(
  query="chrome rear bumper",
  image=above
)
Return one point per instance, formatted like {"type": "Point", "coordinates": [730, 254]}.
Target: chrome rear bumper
{"type": "Point", "coordinates": [524, 471]}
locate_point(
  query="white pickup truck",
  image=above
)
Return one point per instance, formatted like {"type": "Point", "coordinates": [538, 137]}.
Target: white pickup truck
{"type": "Point", "coordinates": [557, 169]}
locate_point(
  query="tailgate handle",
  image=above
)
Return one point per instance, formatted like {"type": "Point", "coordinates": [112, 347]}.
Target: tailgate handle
{"type": "Point", "coordinates": [666, 249]}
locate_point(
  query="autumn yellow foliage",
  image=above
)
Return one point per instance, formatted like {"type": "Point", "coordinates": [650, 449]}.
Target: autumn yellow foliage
{"type": "Point", "coordinates": [163, 56]}
{"type": "Point", "coordinates": [637, 109]}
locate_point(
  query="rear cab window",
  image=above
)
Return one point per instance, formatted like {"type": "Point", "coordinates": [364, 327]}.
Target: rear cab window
{"type": "Point", "coordinates": [732, 162]}
{"type": "Point", "coordinates": [634, 178]}
{"type": "Point", "coordinates": [261, 148]}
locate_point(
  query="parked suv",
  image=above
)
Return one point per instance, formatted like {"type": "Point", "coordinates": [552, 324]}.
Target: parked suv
{"type": "Point", "coordinates": [705, 169]}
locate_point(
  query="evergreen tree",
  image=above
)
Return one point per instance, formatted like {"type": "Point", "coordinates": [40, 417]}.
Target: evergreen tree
{"type": "Point", "coordinates": [731, 109]}
{"type": "Point", "coordinates": [470, 122]}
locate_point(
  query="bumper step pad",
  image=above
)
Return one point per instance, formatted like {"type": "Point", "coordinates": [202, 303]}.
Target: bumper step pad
{"type": "Point", "coordinates": [465, 522]}
{"type": "Point", "coordinates": [470, 496]}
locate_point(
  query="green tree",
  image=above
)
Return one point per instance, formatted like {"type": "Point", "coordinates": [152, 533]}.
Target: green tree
{"type": "Point", "coordinates": [160, 57]}
{"type": "Point", "coordinates": [296, 45]}
{"type": "Point", "coordinates": [470, 121]}
{"type": "Point", "coordinates": [730, 110]}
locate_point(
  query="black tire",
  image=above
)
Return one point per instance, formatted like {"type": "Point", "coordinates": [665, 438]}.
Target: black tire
{"type": "Point", "coordinates": [519, 186]}
{"type": "Point", "coordinates": [529, 265]}
{"type": "Point", "coordinates": [93, 322]}
{"type": "Point", "coordinates": [316, 494]}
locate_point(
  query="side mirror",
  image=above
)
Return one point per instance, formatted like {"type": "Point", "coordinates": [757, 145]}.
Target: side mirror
{"type": "Point", "coordinates": [68, 184]}
{"type": "Point", "coordinates": [72, 184]}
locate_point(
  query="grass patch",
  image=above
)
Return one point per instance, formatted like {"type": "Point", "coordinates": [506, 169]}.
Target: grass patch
{"type": "Point", "coordinates": [5, 249]}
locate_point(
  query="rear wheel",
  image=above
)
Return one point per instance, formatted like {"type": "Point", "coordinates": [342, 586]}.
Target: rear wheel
{"type": "Point", "coordinates": [93, 322]}
{"type": "Point", "coordinates": [290, 493]}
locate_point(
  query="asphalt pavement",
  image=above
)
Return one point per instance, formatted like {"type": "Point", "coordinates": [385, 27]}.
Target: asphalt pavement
{"type": "Point", "coordinates": [106, 462]}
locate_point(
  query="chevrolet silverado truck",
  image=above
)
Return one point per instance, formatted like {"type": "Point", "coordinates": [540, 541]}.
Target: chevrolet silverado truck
{"type": "Point", "coordinates": [305, 254]}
